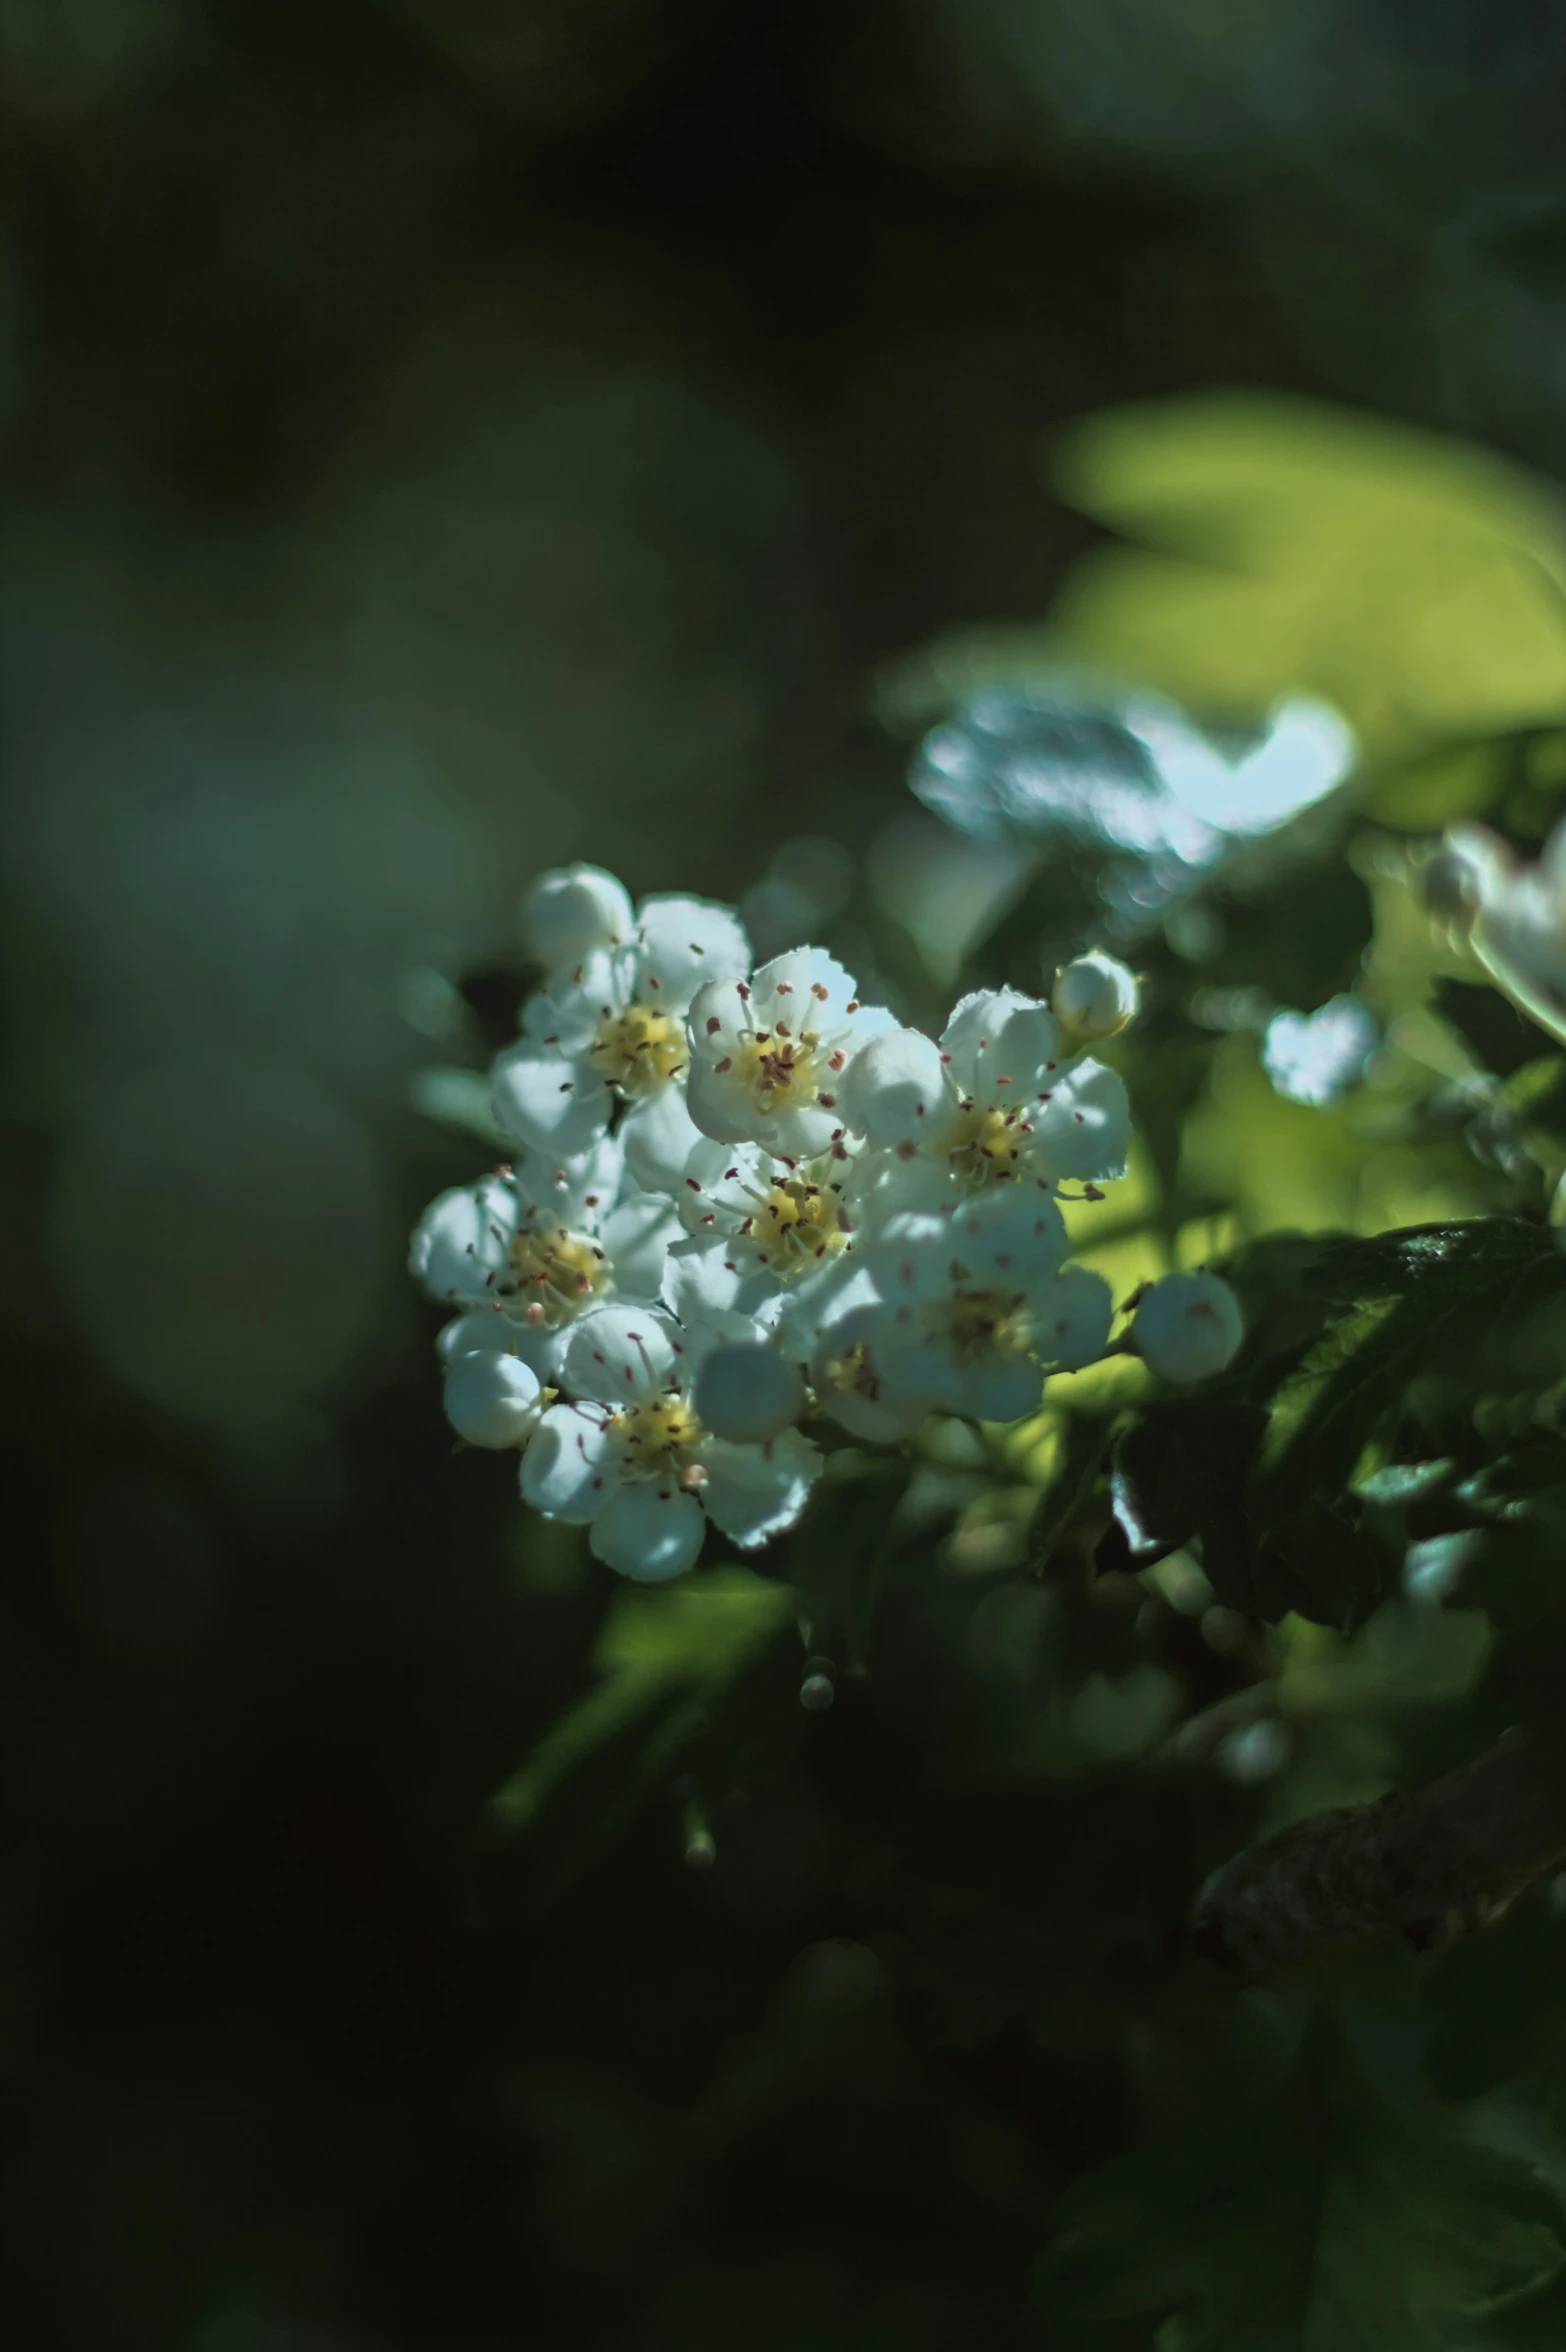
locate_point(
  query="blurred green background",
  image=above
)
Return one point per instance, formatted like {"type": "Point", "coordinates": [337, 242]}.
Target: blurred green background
{"type": "Point", "coordinates": [446, 437]}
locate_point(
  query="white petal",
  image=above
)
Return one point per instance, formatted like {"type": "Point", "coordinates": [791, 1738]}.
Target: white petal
{"type": "Point", "coordinates": [701, 1280]}
{"type": "Point", "coordinates": [649, 1532]}
{"type": "Point", "coordinates": [1083, 1129]}
{"type": "Point", "coordinates": [568, 1467]}
{"type": "Point", "coordinates": [718, 1105]}
{"type": "Point", "coordinates": [486, 1330]}
{"type": "Point", "coordinates": [847, 1373]}
{"type": "Point", "coordinates": [682, 944]}
{"type": "Point", "coordinates": [1188, 1326]}
{"type": "Point", "coordinates": [785, 987]}
{"type": "Point", "coordinates": [719, 1016]}
{"type": "Point", "coordinates": [570, 910]}
{"type": "Point", "coordinates": [622, 1355]}
{"type": "Point", "coordinates": [567, 1020]}
{"type": "Point", "coordinates": [1013, 1235]}
{"type": "Point", "coordinates": [460, 1243]}
{"type": "Point", "coordinates": [1071, 1325]}
{"type": "Point", "coordinates": [911, 1259]}
{"type": "Point", "coordinates": [802, 1134]}
{"type": "Point", "coordinates": [898, 1187]}
{"type": "Point", "coordinates": [894, 1089]}
{"type": "Point", "coordinates": [854, 1031]}
{"type": "Point", "coordinates": [556, 1105]}
{"type": "Point", "coordinates": [976, 1026]}
{"type": "Point", "coordinates": [811, 1307]}
{"type": "Point", "coordinates": [577, 1191]}
{"type": "Point", "coordinates": [747, 1392]}
{"type": "Point", "coordinates": [480, 1328]}
{"type": "Point", "coordinates": [916, 1369]}
{"type": "Point", "coordinates": [659, 1135]}
{"type": "Point", "coordinates": [491, 1399]}
{"type": "Point", "coordinates": [753, 1492]}
{"type": "Point", "coordinates": [637, 1235]}
{"type": "Point", "coordinates": [712, 1195]}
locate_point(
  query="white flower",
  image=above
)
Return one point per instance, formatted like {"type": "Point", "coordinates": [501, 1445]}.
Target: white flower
{"type": "Point", "coordinates": [1515, 915]}
{"type": "Point", "coordinates": [746, 1391]}
{"type": "Point", "coordinates": [570, 911]}
{"type": "Point", "coordinates": [975, 1303]}
{"type": "Point", "coordinates": [768, 1057]}
{"type": "Point", "coordinates": [633, 1462]}
{"type": "Point", "coordinates": [1094, 997]}
{"type": "Point", "coordinates": [1188, 1326]}
{"type": "Point", "coordinates": [849, 1383]}
{"type": "Point", "coordinates": [493, 1398]}
{"type": "Point", "coordinates": [758, 1224]}
{"type": "Point", "coordinates": [611, 1029]}
{"type": "Point", "coordinates": [998, 1100]}
{"type": "Point", "coordinates": [530, 1248]}
{"type": "Point", "coordinates": [1316, 1057]}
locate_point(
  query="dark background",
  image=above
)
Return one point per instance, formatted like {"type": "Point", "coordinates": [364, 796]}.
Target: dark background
{"type": "Point", "coordinates": [444, 438]}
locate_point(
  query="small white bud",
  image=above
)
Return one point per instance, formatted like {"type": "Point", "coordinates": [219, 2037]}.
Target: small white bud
{"type": "Point", "coordinates": [572, 910]}
{"type": "Point", "coordinates": [816, 1693]}
{"type": "Point", "coordinates": [1188, 1326]}
{"type": "Point", "coordinates": [747, 1393]}
{"type": "Point", "coordinates": [492, 1399]}
{"type": "Point", "coordinates": [1095, 996]}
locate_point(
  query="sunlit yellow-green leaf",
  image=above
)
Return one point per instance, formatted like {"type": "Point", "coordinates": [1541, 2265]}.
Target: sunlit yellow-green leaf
{"type": "Point", "coordinates": [1417, 583]}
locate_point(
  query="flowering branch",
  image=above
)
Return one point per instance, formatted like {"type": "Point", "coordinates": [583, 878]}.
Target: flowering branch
{"type": "Point", "coordinates": [741, 1198]}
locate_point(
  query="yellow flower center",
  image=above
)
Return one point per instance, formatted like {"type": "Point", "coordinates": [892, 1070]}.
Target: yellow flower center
{"type": "Point", "coordinates": [851, 1373]}
{"type": "Point", "coordinates": [981, 1323]}
{"type": "Point", "coordinates": [984, 1147]}
{"type": "Point", "coordinates": [796, 1226]}
{"type": "Point", "coordinates": [556, 1273]}
{"type": "Point", "coordinates": [639, 1050]}
{"type": "Point", "coordinates": [654, 1435]}
{"type": "Point", "coordinates": [776, 1070]}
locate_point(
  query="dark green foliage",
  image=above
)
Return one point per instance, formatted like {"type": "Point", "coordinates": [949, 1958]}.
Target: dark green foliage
{"type": "Point", "coordinates": [448, 437]}
{"type": "Point", "coordinates": [1329, 2214]}
{"type": "Point", "coordinates": [1501, 1038]}
{"type": "Point", "coordinates": [1362, 1356]}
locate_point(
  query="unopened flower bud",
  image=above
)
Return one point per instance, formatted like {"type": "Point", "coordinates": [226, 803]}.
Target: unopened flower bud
{"type": "Point", "coordinates": [571, 910]}
{"type": "Point", "coordinates": [1095, 996]}
{"type": "Point", "coordinates": [1188, 1326]}
{"type": "Point", "coordinates": [748, 1393]}
{"type": "Point", "coordinates": [492, 1399]}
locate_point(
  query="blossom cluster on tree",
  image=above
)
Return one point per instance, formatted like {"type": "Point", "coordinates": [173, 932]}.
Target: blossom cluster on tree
{"type": "Point", "coordinates": [742, 1196]}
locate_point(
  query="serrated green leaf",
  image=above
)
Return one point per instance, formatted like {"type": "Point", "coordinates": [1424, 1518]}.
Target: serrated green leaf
{"type": "Point", "coordinates": [1361, 1355]}
{"type": "Point", "coordinates": [1331, 2217]}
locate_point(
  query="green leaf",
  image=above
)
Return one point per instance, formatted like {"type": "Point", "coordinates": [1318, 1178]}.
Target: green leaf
{"type": "Point", "coordinates": [1414, 582]}
{"type": "Point", "coordinates": [1360, 1354]}
{"type": "Point", "coordinates": [1499, 2001]}
{"type": "Point", "coordinates": [459, 1098]}
{"type": "Point", "coordinates": [1329, 2217]}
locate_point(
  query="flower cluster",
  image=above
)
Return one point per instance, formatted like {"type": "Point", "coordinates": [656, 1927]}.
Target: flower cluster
{"type": "Point", "coordinates": [741, 1195]}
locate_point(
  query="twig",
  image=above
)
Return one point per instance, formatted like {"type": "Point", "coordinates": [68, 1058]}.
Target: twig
{"type": "Point", "coordinates": [1430, 1864]}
